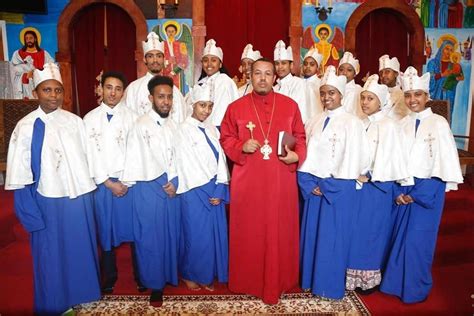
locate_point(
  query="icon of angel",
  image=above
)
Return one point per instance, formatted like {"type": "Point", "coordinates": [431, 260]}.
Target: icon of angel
{"type": "Point", "coordinates": [179, 54]}
{"type": "Point", "coordinates": [329, 43]}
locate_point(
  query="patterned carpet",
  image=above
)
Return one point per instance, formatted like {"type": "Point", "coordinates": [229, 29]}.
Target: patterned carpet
{"type": "Point", "coordinates": [290, 304]}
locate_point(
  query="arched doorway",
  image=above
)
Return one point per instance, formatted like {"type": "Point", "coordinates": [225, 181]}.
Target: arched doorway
{"type": "Point", "coordinates": [380, 27]}
{"type": "Point", "coordinates": [111, 47]}
{"type": "Point", "coordinates": [68, 18]}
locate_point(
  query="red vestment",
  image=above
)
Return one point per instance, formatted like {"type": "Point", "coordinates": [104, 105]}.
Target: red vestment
{"type": "Point", "coordinates": [263, 225]}
{"type": "Point", "coordinates": [180, 62]}
{"type": "Point", "coordinates": [38, 61]}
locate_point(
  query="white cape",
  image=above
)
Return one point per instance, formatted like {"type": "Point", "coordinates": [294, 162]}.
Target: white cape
{"type": "Point", "coordinates": [149, 149]}
{"type": "Point", "coordinates": [341, 150]}
{"type": "Point", "coordinates": [64, 169]}
{"type": "Point", "coordinates": [195, 161]}
{"type": "Point", "coordinates": [432, 152]}
{"type": "Point", "coordinates": [107, 141]}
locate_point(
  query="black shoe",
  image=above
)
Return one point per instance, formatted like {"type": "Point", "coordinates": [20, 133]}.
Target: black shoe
{"type": "Point", "coordinates": [107, 290]}
{"type": "Point", "coordinates": [156, 298]}
{"type": "Point", "coordinates": [368, 291]}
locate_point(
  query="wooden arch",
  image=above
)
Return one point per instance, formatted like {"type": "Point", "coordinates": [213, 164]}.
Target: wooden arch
{"type": "Point", "coordinates": [405, 12]}
{"type": "Point", "coordinates": [64, 30]}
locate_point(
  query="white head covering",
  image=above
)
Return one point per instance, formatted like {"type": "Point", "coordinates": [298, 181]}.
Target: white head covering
{"type": "Point", "coordinates": [330, 78]}
{"type": "Point", "coordinates": [212, 49]}
{"type": "Point", "coordinates": [380, 90]}
{"type": "Point", "coordinates": [411, 81]}
{"type": "Point", "coordinates": [50, 71]}
{"type": "Point", "coordinates": [250, 53]}
{"type": "Point", "coordinates": [313, 52]}
{"type": "Point", "coordinates": [386, 62]}
{"type": "Point", "coordinates": [282, 53]}
{"type": "Point", "coordinates": [348, 58]}
{"type": "Point", "coordinates": [201, 93]}
{"type": "Point", "coordinates": [152, 43]}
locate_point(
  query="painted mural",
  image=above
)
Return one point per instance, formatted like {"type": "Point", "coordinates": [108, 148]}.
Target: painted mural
{"type": "Point", "coordinates": [448, 51]}
{"type": "Point", "coordinates": [179, 52]}
{"type": "Point", "coordinates": [327, 35]}
{"type": "Point", "coordinates": [450, 64]}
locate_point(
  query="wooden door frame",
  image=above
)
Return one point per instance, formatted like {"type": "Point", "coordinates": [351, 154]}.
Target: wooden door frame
{"type": "Point", "coordinates": [405, 12]}
{"type": "Point", "coordinates": [64, 31]}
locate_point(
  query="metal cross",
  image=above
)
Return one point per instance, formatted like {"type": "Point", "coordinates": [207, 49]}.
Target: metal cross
{"type": "Point", "coordinates": [266, 150]}
{"type": "Point", "coordinates": [250, 126]}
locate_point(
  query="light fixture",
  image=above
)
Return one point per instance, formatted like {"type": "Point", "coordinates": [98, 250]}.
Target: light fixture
{"type": "Point", "coordinates": [170, 7]}
{"type": "Point", "coordinates": [321, 11]}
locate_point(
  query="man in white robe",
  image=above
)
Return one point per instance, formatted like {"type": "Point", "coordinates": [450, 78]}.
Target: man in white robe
{"type": "Point", "coordinates": [311, 65]}
{"type": "Point", "coordinates": [47, 168]}
{"type": "Point", "coordinates": [107, 128]}
{"type": "Point", "coordinates": [136, 94]}
{"type": "Point", "coordinates": [249, 56]}
{"type": "Point", "coordinates": [149, 167]}
{"type": "Point", "coordinates": [287, 84]}
{"type": "Point", "coordinates": [389, 72]}
{"type": "Point", "coordinates": [349, 67]}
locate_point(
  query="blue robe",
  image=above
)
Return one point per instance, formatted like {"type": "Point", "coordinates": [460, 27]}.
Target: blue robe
{"type": "Point", "coordinates": [408, 271]}
{"type": "Point", "coordinates": [325, 234]}
{"type": "Point", "coordinates": [156, 220]}
{"type": "Point", "coordinates": [63, 242]}
{"type": "Point", "coordinates": [114, 217]}
{"type": "Point", "coordinates": [373, 226]}
{"type": "Point", "coordinates": [204, 252]}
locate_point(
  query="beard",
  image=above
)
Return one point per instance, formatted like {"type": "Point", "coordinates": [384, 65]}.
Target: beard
{"type": "Point", "coordinates": [161, 113]}
{"type": "Point", "coordinates": [30, 44]}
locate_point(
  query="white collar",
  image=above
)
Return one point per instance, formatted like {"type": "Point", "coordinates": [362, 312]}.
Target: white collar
{"type": "Point", "coordinates": [47, 116]}
{"type": "Point", "coordinates": [156, 117]}
{"type": "Point", "coordinates": [104, 107]}
{"type": "Point", "coordinates": [335, 112]}
{"type": "Point", "coordinates": [423, 114]}
{"type": "Point", "coordinates": [313, 78]}
{"type": "Point", "coordinates": [376, 116]}
{"type": "Point", "coordinates": [191, 120]}
{"type": "Point", "coordinates": [287, 78]}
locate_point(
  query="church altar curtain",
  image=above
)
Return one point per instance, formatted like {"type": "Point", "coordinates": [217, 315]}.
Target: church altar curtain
{"type": "Point", "coordinates": [91, 55]}
{"type": "Point", "coordinates": [235, 23]}
{"type": "Point", "coordinates": [373, 41]}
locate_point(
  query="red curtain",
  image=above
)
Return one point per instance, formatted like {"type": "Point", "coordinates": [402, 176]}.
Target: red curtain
{"type": "Point", "coordinates": [93, 54]}
{"type": "Point", "coordinates": [235, 23]}
{"type": "Point", "coordinates": [373, 41]}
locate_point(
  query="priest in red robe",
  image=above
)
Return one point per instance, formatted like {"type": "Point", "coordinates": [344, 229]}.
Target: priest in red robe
{"type": "Point", "coordinates": [264, 228]}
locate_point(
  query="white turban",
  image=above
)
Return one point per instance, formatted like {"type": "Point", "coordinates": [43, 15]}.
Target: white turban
{"type": "Point", "coordinates": [330, 78]}
{"type": "Point", "coordinates": [50, 71]}
{"type": "Point", "coordinates": [212, 49]}
{"type": "Point", "coordinates": [152, 43]}
{"type": "Point", "coordinates": [348, 58]}
{"type": "Point", "coordinates": [250, 53]}
{"type": "Point", "coordinates": [313, 52]}
{"type": "Point", "coordinates": [380, 90]}
{"type": "Point", "coordinates": [282, 53]}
